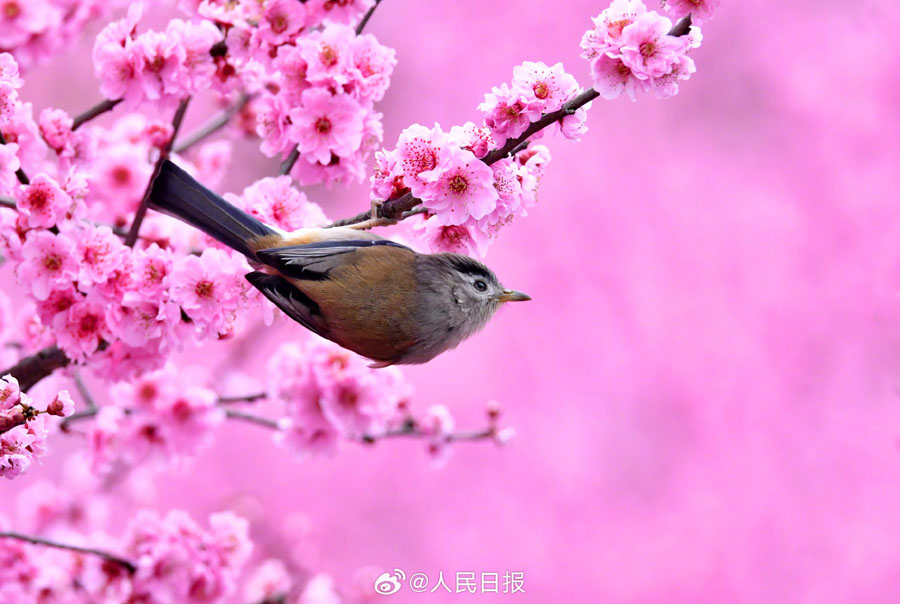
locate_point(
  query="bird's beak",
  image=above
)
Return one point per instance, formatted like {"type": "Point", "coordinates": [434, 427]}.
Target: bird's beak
{"type": "Point", "coordinates": [513, 296]}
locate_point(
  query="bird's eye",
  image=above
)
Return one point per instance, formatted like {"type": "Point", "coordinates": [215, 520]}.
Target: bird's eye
{"type": "Point", "coordinates": [480, 285]}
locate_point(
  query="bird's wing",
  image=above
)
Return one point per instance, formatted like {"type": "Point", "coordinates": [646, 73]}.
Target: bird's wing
{"type": "Point", "coordinates": [291, 301]}
{"type": "Point", "coordinates": [314, 261]}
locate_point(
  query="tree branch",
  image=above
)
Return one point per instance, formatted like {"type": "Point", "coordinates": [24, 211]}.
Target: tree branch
{"type": "Point", "coordinates": [163, 155]}
{"type": "Point", "coordinates": [393, 209]}
{"type": "Point", "coordinates": [248, 398]}
{"type": "Point", "coordinates": [214, 125]}
{"type": "Point", "coordinates": [31, 370]}
{"type": "Point", "coordinates": [126, 564]}
{"type": "Point", "coordinates": [366, 17]}
{"type": "Point", "coordinates": [8, 202]}
{"type": "Point", "coordinates": [287, 164]}
{"type": "Point", "coordinates": [98, 109]}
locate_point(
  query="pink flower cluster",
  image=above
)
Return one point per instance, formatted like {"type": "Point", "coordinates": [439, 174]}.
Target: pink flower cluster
{"type": "Point", "coordinates": [180, 561]}
{"type": "Point", "coordinates": [157, 66]}
{"type": "Point", "coordinates": [160, 416]}
{"type": "Point", "coordinates": [329, 393]}
{"type": "Point", "coordinates": [320, 98]}
{"type": "Point", "coordinates": [35, 30]}
{"type": "Point", "coordinates": [21, 441]}
{"type": "Point", "coordinates": [175, 559]}
{"type": "Point", "coordinates": [631, 51]}
{"type": "Point", "coordinates": [467, 201]}
{"type": "Point", "coordinates": [276, 202]}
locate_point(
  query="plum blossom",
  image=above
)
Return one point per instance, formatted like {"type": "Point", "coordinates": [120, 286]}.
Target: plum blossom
{"type": "Point", "coordinates": [462, 186]}
{"type": "Point", "coordinates": [9, 163]}
{"type": "Point", "coordinates": [62, 404]}
{"type": "Point", "coordinates": [548, 87]}
{"type": "Point", "coordinates": [700, 10]}
{"type": "Point", "coordinates": [99, 254]}
{"type": "Point", "coordinates": [48, 263]}
{"type": "Point", "coordinates": [180, 561]}
{"type": "Point", "coordinates": [209, 287]}
{"type": "Point", "coordinates": [281, 20]}
{"type": "Point", "coordinates": [325, 124]}
{"type": "Point", "coordinates": [275, 201]}
{"type": "Point", "coordinates": [82, 330]}
{"type": "Point", "coordinates": [43, 201]}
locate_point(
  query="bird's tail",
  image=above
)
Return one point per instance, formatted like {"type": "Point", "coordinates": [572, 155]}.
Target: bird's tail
{"type": "Point", "coordinates": [177, 193]}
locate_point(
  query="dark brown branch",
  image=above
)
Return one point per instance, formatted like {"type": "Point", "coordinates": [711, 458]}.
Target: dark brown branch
{"type": "Point", "coordinates": [98, 109]}
{"type": "Point", "coordinates": [31, 370]}
{"type": "Point", "coordinates": [214, 125]}
{"type": "Point", "coordinates": [20, 173]}
{"type": "Point", "coordinates": [287, 164]}
{"type": "Point", "coordinates": [366, 17]}
{"type": "Point", "coordinates": [7, 202]}
{"type": "Point", "coordinates": [126, 564]}
{"type": "Point", "coordinates": [163, 155]}
{"type": "Point", "coordinates": [393, 209]}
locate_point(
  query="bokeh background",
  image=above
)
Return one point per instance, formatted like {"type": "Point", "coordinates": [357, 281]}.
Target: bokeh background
{"type": "Point", "coordinates": [704, 388]}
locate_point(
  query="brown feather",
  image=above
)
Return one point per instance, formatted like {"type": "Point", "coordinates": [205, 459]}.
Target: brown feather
{"type": "Point", "coordinates": [368, 302]}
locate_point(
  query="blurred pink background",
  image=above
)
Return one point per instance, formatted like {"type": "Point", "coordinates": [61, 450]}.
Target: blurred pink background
{"type": "Point", "coordinates": [704, 388]}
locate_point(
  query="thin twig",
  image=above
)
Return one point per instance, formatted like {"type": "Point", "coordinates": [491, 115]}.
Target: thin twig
{"type": "Point", "coordinates": [248, 398]}
{"type": "Point", "coordinates": [393, 209]}
{"type": "Point", "coordinates": [20, 173]}
{"type": "Point", "coordinates": [84, 392]}
{"type": "Point", "coordinates": [366, 17]}
{"type": "Point", "coordinates": [98, 109]}
{"type": "Point", "coordinates": [8, 202]}
{"type": "Point", "coordinates": [163, 155]}
{"type": "Point", "coordinates": [254, 419]}
{"type": "Point", "coordinates": [287, 164]}
{"type": "Point", "coordinates": [126, 564]}
{"type": "Point", "coordinates": [214, 125]}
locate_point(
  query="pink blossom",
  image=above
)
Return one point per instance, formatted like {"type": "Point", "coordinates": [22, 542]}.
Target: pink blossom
{"type": "Point", "coordinates": [9, 163]}
{"type": "Point", "coordinates": [700, 10]}
{"type": "Point", "coordinates": [647, 49]}
{"type": "Point", "coordinates": [99, 253]}
{"type": "Point", "coordinates": [478, 140]}
{"type": "Point", "coordinates": [163, 56]}
{"type": "Point", "coordinates": [197, 39]}
{"type": "Point", "coordinates": [373, 64]}
{"type": "Point", "coordinates": [548, 87]}
{"type": "Point", "coordinates": [508, 112]}
{"type": "Point", "coordinates": [21, 19]}
{"type": "Point", "coordinates": [387, 175]}
{"type": "Point", "coordinates": [574, 126]}
{"type": "Point", "coordinates": [291, 68]}
{"type": "Point", "coordinates": [612, 77]}
{"type": "Point", "coordinates": [210, 288]}
{"type": "Point", "coordinates": [419, 152]}
{"type": "Point", "coordinates": [43, 201]}
{"type": "Point", "coordinates": [328, 54]}
{"type": "Point", "coordinates": [152, 267]}
{"type": "Point", "coordinates": [275, 201]}
{"type": "Point", "coordinates": [15, 453]}
{"type": "Point", "coordinates": [9, 70]}
{"type": "Point", "coordinates": [281, 21]}
{"type": "Point", "coordinates": [48, 263]}
{"type": "Point", "coordinates": [608, 26]}
{"type": "Point", "coordinates": [346, 12]}
{"type": "Point", "coordinates": [56, 128]}
{"type": "Point", "coordinates": [58, 302]}
{"type": "Point", "coordinates": [267, 581]}
{"type": "Point", "coordinates": [83, 330]}
{"type": "Point", "coordinates": [62, 405]}
{"type": "Point", "coordinates": [179, 561]}
{"type": "Point", "coordinates": [10, 394]}
{"type": "Point", "coordinates": [462, 186]}
{"type": "Point", "coordinates": [464, 238]}
{"type": "Point", "coordinates": [273, 125]}
{"type": "Point", "coordinates": [119, 61]}
{"type": "Point", "coordinates": [326, 125]}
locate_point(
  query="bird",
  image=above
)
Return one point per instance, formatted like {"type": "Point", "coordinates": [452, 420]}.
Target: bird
{"type": "Point", "coordinates": [368, 294]}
